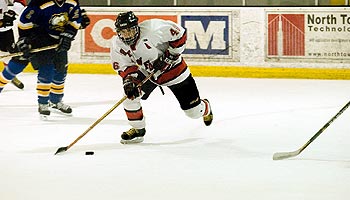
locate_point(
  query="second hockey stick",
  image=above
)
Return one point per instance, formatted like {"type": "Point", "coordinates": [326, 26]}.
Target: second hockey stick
{"type": "Point", "coordinates": [32, 51]}
{"type": "Point", "coordinates": [63, 149]}
{"type": "Point", "coordinates": [284, 155]}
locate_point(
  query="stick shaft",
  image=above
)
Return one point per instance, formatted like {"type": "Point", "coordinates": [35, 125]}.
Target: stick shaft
{"type": "Point", "coordinates": [97, 121]}
{"type": "Point", "coordinates": [283, 155]}
{"type": "Point", "coordinates": [107, 113]}
{"type": "Point", "coordinates": [32, 51]}
{"type": "Point", "coordinates": [324, 127]}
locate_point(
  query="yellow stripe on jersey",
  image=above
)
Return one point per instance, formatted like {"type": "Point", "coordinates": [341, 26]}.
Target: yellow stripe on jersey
{"type": "Point", "coordinates": [25, 26]}
{"type": "Point", "coordinates": [43, 89]}
{"type": "Point", "coordinates": [73, 2]}
{"type": "Point", "coordinates": [75, 24]}
{"type": "Point", "coordinates": [46, 5]}
{"type": "Point", "coordinates": [57, 89]}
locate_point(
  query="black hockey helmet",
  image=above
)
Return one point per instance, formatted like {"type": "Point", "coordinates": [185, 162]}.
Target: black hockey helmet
{"type": "Point", "coordinates": [127, 27]}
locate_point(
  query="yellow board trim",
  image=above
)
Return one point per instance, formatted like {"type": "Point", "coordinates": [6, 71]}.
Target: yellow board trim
{"type": "Point", "coordinates": [337, 2]}
{"type": "Point", "coordinates": [228, 71]}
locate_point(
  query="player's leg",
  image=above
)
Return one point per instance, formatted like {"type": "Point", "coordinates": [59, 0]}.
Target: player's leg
{"type": "Point", "coordinates": [136, 119]}
{"type": "Point", "coordinates": [45, 76]}
{"type": "Point", "coordinates": [57, 93]}
{"type": "Point", "coordinates": [194, 107]}
{"type": "Point", "coordinates": [16, 82]}
{"type": "Point", "coordinates": [57, 85]}
{"type": "Point", "coordinates": [42, 61]}
{"type": "Point", "coordinates": [134, 113]}
{"type": "Point", "coordinates": [14, 67]}
{"type": "Point", "coordinates": [6, 42]}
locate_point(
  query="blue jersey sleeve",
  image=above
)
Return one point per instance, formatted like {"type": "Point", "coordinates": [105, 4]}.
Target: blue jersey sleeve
{"type": "Point", "coordinates": [28, 20]}
{"type": "Point", "coordinates": [75, 17]}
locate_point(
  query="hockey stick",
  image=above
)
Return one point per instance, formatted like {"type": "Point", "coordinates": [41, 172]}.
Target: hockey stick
{"type": "Point", "coordinates": [32, 51]}
{"type": "Point", "coordinates": [63, 149]}
{"type": "Point", "coordinates": [284, 155]}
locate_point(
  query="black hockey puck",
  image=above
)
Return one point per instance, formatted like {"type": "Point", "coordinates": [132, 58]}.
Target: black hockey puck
{"type": "Point", "coordinates": [89, 153]}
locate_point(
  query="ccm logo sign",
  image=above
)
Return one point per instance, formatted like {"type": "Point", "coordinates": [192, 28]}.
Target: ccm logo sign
{"type": "Point", "coordinates": [206, 34]}
{"type": "Point", "coordinates": [98, 35]}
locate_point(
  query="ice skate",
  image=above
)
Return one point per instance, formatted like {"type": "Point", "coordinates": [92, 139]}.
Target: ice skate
{"type": "Point", "coordinates": [133, 136]}
{"type": "Point", "coordinates": [61, 108]}
{"type": "Point", "coordinates": [209, 117]}
{"type": "Point", "coordinates": [44, 111]}
{"type": "Point", "coordinates": [17, 83]}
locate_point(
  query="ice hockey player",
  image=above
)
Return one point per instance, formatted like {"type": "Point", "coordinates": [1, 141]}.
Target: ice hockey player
{"type": "Point", "coordinates": [7, 17]}
{"type": "Point", "coordinates": [156, 45]}
{"type": "Point", "coordinates": [7, 39]}
{"type": "Point", "coordinates": [44, 23]}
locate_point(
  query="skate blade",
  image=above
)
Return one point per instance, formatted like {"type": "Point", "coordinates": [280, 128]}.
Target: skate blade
{"type": "Point", "coordinates": [133, 141]}
{"type": "Point", "coordinates": [44, 117]}
{"type": "Point", "coordinates": [54, 110]}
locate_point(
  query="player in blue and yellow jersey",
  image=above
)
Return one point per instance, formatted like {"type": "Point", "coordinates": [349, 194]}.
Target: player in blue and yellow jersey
{"type": "Point", "coordinates": [44, 23]}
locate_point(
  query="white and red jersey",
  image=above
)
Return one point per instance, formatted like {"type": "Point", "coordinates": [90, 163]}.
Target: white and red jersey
{"type": "Point", "coordinates": [155, 38]}
{"type": "Point", "coordinates": [18, 6]}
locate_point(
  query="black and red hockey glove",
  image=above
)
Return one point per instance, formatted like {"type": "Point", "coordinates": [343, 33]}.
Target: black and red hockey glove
{"type": "Point", "coordinates": [131, 89]}
{"type": "Point", "coordinates": [8, 18]}
{"type": "Point", "coordinates": [165, 61]}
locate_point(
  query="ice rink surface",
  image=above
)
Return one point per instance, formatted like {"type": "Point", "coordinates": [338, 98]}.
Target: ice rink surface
{"type": "Point", "coordinates": [180, 157]}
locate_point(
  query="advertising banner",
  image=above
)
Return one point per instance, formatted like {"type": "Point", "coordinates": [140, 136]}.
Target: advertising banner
{"type": "Point", "coordinates": [207, 35]}
{"type": "Point", "coordinates": [318, 35]}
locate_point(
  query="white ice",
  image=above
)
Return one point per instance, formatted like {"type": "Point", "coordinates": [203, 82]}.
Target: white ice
{"type": "Point", "coordinates": [180, 157]}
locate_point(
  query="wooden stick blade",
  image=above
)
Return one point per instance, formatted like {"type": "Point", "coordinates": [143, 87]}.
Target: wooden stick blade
{"type": "Point", "coordinates": [284, 155]}
{"type": "Point", "coordinates": [61, 149]}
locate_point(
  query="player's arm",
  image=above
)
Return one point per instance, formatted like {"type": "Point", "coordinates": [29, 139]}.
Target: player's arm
{"type": "Point", "coordinates": [130, 75]}
{"type": "Point", "coordinates": [26, 27]}
{"type": "Point", "coordinates": [127, 70]}
{"type": "Point", "coordinates": [71, 29]}
{"type": "Point", "coordinates": [85, 20]}
{"type": "Point", "coordinates": [66, 38]}
{"type": "Point", "coordinates": [27, 21]}
{"type": "Point", "coordinates": [75, 18]}
{"type": "Point", "coordinates": [176, 37]}
{"type": "Point", "coordinates": [18, 6]}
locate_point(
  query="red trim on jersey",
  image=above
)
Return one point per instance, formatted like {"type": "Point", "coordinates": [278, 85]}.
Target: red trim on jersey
{"type": "Point", "coordinates": [206, 112]}
{"type": "Point", "coordinates": [128, 70]}
{"type": "Point", "coordinates": [179, 42]}
{"type": "Point", "coordinates": [172, 73]}
{"type": "Point", "coordinates": [134, 115]}
{"type": "Point", "coordinates": [23, 2]}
